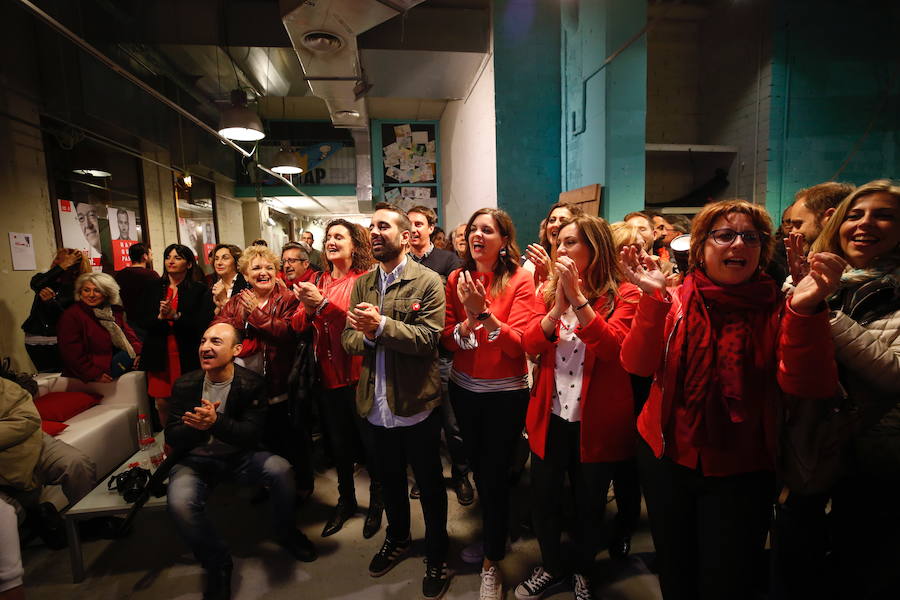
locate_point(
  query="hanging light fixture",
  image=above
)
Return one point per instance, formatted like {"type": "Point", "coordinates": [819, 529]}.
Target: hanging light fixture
{"type": "Point", "coordinates": [286, 162]}
{"type": "Point", "coordinates": [238, 122]}
{"type": "Point", "coordinates": [89, 161]}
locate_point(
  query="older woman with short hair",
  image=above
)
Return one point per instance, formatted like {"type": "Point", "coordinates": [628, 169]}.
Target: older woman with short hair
{"type": "Point", "coordinates": [95, 341]}
{"type": "Point", "coordinates": [723, 346]}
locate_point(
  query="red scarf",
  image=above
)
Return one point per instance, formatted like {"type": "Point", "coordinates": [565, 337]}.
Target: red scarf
{"type": "Point", "coordinates": [725, 358]}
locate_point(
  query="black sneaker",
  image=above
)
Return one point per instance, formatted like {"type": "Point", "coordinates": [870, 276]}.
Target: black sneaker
{"type": "Point", "coordinates": [465, 495]}
{"type": "Point", "coordinates": [390, 554]}
{"type": "Point", "coordinates": [436, 580]}
{"type": "Point", "coordinates": [415, 493]}
{"type": "Point", "coordinates": [537, 584]}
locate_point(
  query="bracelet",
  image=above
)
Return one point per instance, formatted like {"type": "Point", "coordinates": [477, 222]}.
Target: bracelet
{"type": "Point", "coordinates": [586, 302]}
{"type": "Point", "coordinates": [483, 316]}
{"type": "Point", "coordinates": [553, 319]}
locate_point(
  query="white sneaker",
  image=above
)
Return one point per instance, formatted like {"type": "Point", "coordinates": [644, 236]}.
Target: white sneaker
{"type": "Point", "coordinates": [537, 584]}
{"type": "Point", "coordinates": [582, 587]}
{"type": "Point", "coordinates": [491, 585]}
{"type": "Point", "coordinates": [473, 553]}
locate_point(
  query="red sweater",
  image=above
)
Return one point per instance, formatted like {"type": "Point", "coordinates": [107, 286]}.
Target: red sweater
{"type": "Point", "coordinates": [805, 368]}
{"type": "Point", "coordinates": [85, 346]}
{"type": "Point", "coordinates": [338, 369]}
{"type": "Point", "coordinates": [504, 357]}
{"type": "Point", "coordinates": [607, 412]}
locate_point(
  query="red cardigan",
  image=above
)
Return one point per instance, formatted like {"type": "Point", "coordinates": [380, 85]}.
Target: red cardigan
{"type": "Point", "coordinates": [85, 346]}
{"type": "Point", "coordinates": [607, 414]}
{"type": "Point", "coordinates": [805, 368]}
{"type": "Point", "coordinates": [504, 357]}
{"type": "Point", "coordinates": [338, 369]}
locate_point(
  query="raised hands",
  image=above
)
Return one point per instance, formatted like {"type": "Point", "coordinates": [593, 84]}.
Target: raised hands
{"type": "Point", "coordinates": [568, 280]}
{"type": "Point", "coordinates": [219, 293]}
{"type": "Point", "coordinates": [366, 318]}
{"type": "Point", "coordinates": [822, 280]}
{"type": "Point", "coordinates": [471, 293]}
{"type": "Point", "coordinates": [541, 260]}
{"type": "Point", "coordinates": [69, 258]}
{"type": "Point", "coordinates": [641, 270]}
{"type": "Point", "coordinates": [796, 257]}
{"type": "Point", "coordinates": [249, 301]}
{"type": "Point", "coordinates": [167, 310]}
{"type": "Point", "coordinates": [308, 295]}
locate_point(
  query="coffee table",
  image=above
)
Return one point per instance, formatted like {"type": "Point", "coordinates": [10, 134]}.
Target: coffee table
{"type": "Point", "coordinates": [101, 502]}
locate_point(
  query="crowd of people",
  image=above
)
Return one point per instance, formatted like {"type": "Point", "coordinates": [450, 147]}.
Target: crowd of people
{"type": "Point", "coordinates": [614, 355]}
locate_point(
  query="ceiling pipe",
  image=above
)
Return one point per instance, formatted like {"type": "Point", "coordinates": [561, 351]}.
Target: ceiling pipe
{"type": "Point", "coordinates": [291, 185]}
{"type": "Point", "coordinates": [115, 67]}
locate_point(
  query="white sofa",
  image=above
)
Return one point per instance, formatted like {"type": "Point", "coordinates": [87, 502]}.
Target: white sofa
{"type": "Point", "coordinates": [107, 432]}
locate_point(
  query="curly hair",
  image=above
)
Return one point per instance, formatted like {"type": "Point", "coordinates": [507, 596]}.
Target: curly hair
{"type": "Point", "coordinates": [103, 282]}
{"type": "Point", "coordinates": [361, 254]}
{"type": "Point", "coordinates": [257, 251]}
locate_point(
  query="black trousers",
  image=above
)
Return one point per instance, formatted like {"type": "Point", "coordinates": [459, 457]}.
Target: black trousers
{"type": "Point", "coordinates": [589, 484]}
{"type": "Point", "coordinates": [46, 359]}
{"type": "Point", "coordinates": [347, 437]}
{"type": "Point", "coordinates": [419, 446]}
{"type": "Point", "coordinates": [628, 496]}
{"type": "Point", "coordinates": [281, 438]}
{"type": "Point", "coordinates": [799, 547]}
{"type": "Point", "coordinates": [709, 532]}
{"type": "Point", "coordinates": [491, 423]}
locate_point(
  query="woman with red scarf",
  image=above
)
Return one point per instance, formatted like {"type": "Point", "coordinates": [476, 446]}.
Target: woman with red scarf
{"type": "Point", "coordinates": [722, 346]}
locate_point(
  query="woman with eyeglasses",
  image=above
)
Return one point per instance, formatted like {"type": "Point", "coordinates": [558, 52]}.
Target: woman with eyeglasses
{"type": "Point", "coordinates": [723, 347]}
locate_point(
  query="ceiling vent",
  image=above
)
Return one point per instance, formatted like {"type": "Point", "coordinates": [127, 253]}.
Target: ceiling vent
{"type": "Point", "coordinates": [322, 41]}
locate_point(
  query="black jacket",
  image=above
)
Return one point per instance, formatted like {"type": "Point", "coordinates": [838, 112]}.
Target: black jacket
{"type": "Point", "coordinates": [196, 307]}
{"type": "Point", "coordinates": [44, 315]}
{"type": "Point", "coordinates": [240, 425]}
{"type": "Point", "coordinates": [443, 262]}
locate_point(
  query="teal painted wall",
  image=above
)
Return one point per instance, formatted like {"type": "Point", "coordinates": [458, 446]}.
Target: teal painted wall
{"type": "Point", "coordinates": [604, 111]}
{"type": "Point", "coordinates": [527, 84]}
{"type": "Point", "coordinates": [835, 75]}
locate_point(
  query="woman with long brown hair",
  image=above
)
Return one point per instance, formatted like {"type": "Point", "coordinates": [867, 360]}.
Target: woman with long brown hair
{"type": "Point", "coordinates": [581, 414]}
{"type": "Point", "coordinates": [324, 305]}
{"type": "Point", "coordinates": [489, 302]}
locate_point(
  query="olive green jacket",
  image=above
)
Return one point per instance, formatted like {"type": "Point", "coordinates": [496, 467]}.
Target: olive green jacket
{"type": "Point", "coordinates": [21, 439]}
{"type": "Point", "coordinates": [414, 306]}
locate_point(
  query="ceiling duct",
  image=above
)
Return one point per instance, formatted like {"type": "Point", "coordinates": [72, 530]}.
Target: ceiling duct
{"type": "Point", "coordinates": [324, 36]}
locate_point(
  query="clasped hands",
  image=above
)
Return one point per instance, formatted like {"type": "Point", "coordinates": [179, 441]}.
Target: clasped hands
{"type": "Point", "coordinates": [167, 311]}
{"type": "Point", "coordinates": [202, 417]}
{"type": "Point", "coordinates": [366, 318]}
{"type": "Point", "coordinates": [308, 295]}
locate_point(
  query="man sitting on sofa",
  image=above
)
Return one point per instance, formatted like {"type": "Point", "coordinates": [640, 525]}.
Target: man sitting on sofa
{"type": "Point", "coordinates": [29, 459]}
{"type": "Point", "coordinates": [216, 417]}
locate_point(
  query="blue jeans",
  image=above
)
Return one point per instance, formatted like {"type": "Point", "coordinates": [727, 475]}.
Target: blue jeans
{"type": "Point", "coordinates": [192, 480]}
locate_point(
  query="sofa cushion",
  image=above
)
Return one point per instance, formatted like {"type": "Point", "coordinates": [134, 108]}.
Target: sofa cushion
{"type": "Point", "coordinates": [62, 406]}
{"type": "Point", "coordinates": [106, 433]}
{"type": "Point", "coordinates": [53, 428]}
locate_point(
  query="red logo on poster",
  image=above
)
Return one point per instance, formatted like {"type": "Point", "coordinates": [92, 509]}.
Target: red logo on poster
{"type": "Point", "coordinates": [207, 248]}
{"type": "Point", "coordinates": [65, 206]}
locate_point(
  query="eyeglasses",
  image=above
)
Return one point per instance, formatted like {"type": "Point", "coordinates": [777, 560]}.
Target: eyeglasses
{"type": "Point", "coordinates": [726, 237]}
{"type": "Point", "coordinates": [293, 261]}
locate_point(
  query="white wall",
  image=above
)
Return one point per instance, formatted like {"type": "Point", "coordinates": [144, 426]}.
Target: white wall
{"type": "Point", "coordinates": [469, 151]}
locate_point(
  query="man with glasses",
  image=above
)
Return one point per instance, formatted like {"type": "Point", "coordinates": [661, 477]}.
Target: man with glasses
{"type": "Point", "coordinates": [295, 264]}
{"type": "Point", "coordinates": [89, 221]}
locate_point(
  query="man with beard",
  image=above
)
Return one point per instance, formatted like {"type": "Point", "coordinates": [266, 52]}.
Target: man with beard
{"type": "Point", "coordinates": [89, 221]}
{"type": "Point", "coordinates": [217, 415]}
{"type": "Point", "coordinates": [442, 262]}
{"type": "Point", "coordinates": [395, 324]}
{"type": "Point", "coordinates": [813, 207]}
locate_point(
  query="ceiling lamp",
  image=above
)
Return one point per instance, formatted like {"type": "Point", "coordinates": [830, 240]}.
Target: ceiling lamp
{"type": "Point", "coordinates": [286, 162]}
{"type": "Point", "coordinates": [92, 172]}
{"type": "Point", "coordinates": [90, 161]}
{"type": "Point", "coordinates": [238, 122]}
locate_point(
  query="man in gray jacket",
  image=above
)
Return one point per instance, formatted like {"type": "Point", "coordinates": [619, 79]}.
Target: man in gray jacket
{"type": "Point", "coordinates": [395, 321]}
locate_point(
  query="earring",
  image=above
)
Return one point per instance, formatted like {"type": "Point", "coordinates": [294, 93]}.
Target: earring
{"type": "Point", "coordinates": [503, 251]}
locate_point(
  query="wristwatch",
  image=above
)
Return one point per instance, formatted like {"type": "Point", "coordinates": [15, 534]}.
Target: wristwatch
{"type": "Point", "coordinates": [483, 316]}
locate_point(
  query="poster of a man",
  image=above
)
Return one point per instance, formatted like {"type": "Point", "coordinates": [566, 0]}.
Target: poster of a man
{"type": "Point", "coordinates": [89, 220]}
{"type": "Point", "coordinates": [79, 223]}
{"type": "Point", "coordinates": [124, 223]}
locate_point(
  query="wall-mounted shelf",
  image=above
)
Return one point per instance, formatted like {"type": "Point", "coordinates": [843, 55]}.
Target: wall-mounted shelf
{"type": "Point", "coordinates": [694, 148]}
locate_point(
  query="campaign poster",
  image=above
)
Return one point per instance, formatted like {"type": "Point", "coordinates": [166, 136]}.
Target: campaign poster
{"type": "Point", "coordinates": [123, 230]}
{"type": "Point", "coordinates": [79, 224]}
{"type": "Point", "coordinates": [191, 233]}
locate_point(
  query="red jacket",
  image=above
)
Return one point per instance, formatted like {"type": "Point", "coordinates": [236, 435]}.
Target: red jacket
{"type": "Point", "coordinates": [269, 328]}
{"type": "Point", "coordinates": [805, 368]}
{"type": "Point", "coordinates": [85, 346]}
{"type": "Point", "coordinates": [504, 357]}
{"type": "Point", "coordinates": [607, 413]}
{"type": "Point", "coordinates": [338, 369]}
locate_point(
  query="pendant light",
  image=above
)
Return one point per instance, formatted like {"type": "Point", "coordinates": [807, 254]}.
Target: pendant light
{"type": "Point", "coordinates": [238, 122]}
{"type": "Point", "coordinates": [286, 162]}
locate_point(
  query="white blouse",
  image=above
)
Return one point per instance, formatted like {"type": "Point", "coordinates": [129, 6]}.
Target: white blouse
{"type": "Point", "coordinates": [568, 370]}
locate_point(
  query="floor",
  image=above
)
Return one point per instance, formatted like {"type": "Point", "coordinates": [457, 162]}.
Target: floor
{"type": "Point", "coordinates": [153, 563]}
